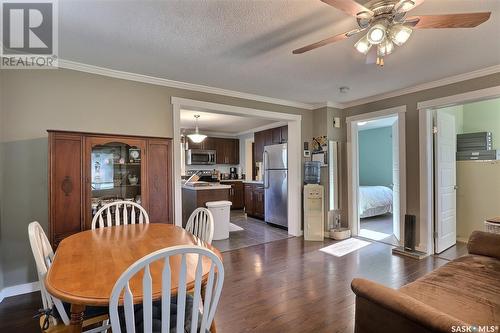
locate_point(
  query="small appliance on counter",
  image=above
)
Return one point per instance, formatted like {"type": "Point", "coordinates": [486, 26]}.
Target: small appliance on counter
{"type": "Point", "coordinates": [259, 171]}
{"type": "Point", "coordinates": [233, 173]}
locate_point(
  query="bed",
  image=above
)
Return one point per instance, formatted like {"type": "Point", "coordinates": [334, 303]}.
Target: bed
{"type": "Point", "coordinates": [374, 200]}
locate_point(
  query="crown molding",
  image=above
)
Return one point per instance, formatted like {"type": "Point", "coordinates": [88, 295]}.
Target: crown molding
{"type": "Point", "coordinates": [67, 64]}
{"type": "Point", "coordinates": [424, 86]}
{"type": "Point", "coordinates": [263, 128]}
{"type": "Point", "coordinates": [328, 104]}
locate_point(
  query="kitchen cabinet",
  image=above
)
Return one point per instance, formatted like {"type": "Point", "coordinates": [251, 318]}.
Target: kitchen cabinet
{"type": "Point", "coordinates": [88, 170]}
{"type": "Point", "coordinates": [228, 151]}
{"type": "Point", "coordinates": [269, 137]}
{"type": "Point", "coordinates": [236, 194]}
{"type": "Point", "coordinates": [259, 143]}
{"type": "Point", "coordinates": [207, 144]}
{"type": "Point", "coordinates": [254, 200]}
{"type": "Point", "coordinates": [194, 198]}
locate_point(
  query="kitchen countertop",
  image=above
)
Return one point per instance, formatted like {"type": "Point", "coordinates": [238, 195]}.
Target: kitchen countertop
{"type": "Point", "coordinates": [215, 186]}
{"type": "Point", "coordinates": [243, 181]}
{"type": "Point", "coordinates": [253, 181]}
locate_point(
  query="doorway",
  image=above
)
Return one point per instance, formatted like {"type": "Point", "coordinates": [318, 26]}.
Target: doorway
{"type": "Point", "coordinates": [466, 170]}
{"type": "Point", "coordinates": [294, 152]}
{"type": "Point", "coordinates": [436, 229]}
{"type": "Point", "coordinates": [376, 178]}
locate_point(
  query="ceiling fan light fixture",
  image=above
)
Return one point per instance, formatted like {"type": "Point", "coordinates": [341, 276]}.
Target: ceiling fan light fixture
{"type": "Point", "coordinates": [406, 5]}
{"type": "Point", "coordinates": [363, 45]}
{"type": "Point", "coordinates": [400, 34]}
{"type": "Point", "coordinates": [386, 48]}
{"type": "Point", "coordinates": [376, 34]}
{"type": "Point", "coordinates": [196, 137]}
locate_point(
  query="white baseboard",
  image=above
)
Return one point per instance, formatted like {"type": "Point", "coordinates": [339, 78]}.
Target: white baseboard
{"type": "Point", "coordinates": [19, 290]}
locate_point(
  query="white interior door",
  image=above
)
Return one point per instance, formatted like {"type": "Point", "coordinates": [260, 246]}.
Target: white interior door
{"type": "Point", "coordinates": [445, 182]}
{"type": "Point", "coordinates": [396, 186]}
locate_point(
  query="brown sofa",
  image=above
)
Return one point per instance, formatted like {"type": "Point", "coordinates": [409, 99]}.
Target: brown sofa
{"type": "Point", "coordinates": [464, 292]}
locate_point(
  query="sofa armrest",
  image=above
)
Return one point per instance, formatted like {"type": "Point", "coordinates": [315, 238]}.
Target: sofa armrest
{"type": "Point", "coordinates": [484, 244]}
{"type": "Point", "coordinates": [382, 309]}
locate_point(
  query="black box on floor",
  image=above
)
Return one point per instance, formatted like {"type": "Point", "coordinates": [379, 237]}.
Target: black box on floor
{"type": "Point", "coordinates": [410, 223]}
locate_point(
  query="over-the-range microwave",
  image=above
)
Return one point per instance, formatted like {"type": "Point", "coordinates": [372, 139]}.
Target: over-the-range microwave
{"type": "Point", "coordinates": [200, 157]}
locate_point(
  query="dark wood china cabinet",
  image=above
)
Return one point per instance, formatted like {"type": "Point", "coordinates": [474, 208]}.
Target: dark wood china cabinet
{"type": "Point", "coordinates": [88, 170]}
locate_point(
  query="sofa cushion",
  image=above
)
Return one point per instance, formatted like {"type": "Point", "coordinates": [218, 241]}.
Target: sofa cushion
{"type": "Point", "coordinates": [467, 288]}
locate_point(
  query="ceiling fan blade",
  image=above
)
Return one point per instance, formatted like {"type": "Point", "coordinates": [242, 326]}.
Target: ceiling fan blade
{"type": "Point", "coordinates": [371, 56]}
{"type": "Point", "coordinates": [326, 41]}
{"type": "Point", "coordinates": [350, 7]}
{"type": "Point", "coordinates": [466, 20]}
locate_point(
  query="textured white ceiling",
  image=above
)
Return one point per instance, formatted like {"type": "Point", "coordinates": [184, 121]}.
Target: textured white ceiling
{"type": "Point", "coordinates": [222, 123]}
{"type": "Point", "coordinates": [246, 45]}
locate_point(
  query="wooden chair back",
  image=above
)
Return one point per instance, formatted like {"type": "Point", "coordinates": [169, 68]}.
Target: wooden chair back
{"type": "Point", "coordinates": [117, 213]}
{"type": "Point", "coordinates": [201, 224]}
{"type": "Point", "coordinates": [208, 303]}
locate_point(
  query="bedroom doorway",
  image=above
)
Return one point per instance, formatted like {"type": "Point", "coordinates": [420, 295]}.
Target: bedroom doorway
{"type": "Point", "coordinates": [376, 178]}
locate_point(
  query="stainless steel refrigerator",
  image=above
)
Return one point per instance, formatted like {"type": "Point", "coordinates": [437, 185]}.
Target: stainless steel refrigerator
{"type": "Point", "coordinates": [276, 184]}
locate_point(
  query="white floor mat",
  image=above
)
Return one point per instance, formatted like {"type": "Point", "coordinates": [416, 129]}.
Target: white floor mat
{"type": "Point", "coordinates": [375, 235]}
{"type": "Point", "coordinates": [347, 246]}
{"type": "Point", "coordinates": [234, 227]}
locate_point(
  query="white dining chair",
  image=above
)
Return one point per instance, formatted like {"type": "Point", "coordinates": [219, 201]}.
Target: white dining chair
{"type": "Point", "coordinates": [44, 255]}
{"type": "Point", "coordinates": [201, 224]}
{"type": "Point", "coordinates": [188, 311]}
{"type": "Point", "coordinates": [116, 213]}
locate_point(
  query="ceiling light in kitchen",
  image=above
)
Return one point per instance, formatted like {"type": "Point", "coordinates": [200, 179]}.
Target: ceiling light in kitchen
{"type": "Point", "coordinates": [196, 137]}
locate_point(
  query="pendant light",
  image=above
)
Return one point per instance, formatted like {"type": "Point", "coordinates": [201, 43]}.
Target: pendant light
{"type": "Point", "coordinates": [196, 137]}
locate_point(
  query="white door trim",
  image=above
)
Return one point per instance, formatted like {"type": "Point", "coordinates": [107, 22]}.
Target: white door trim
{"type": "Point", "coordinates": [426, 158]}
{"type": "Point", "coordinates": [294, 153]}
{"type": "Point", "coordinates": [353, 163]}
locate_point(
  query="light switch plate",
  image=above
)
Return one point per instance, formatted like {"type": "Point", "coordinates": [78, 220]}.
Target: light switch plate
{"type": "Point", "coordinates": [336, 122]}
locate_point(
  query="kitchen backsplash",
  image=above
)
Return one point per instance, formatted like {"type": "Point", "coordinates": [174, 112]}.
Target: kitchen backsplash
{"type": "Point", "coordinates": [222, 168]}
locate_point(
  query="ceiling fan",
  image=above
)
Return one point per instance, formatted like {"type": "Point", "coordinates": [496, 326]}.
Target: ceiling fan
{"type": "Point", "coordinates": [387, 25]}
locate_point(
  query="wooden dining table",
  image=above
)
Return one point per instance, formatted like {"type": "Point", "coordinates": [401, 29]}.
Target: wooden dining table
{"type": "Point", "coordinates": [87, 264]}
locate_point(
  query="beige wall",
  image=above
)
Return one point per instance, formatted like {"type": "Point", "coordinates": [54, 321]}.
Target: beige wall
{"type": "Point", "coordinates": [412, 144]}
{"type": "Point", "coordinates": [34, 101]}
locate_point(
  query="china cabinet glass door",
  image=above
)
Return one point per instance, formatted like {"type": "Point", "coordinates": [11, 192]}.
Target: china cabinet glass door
{"type": "Point", "coordinates": [116, 173]}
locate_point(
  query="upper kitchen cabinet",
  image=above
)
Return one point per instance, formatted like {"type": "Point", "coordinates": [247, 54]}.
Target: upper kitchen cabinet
{"type": "Point", "coordinates": [207, 144]}
{"type": "Point", "coordinates": [268, 137]}
{"type": "Point", "coordinates": [259, 143]}
{"type": "Point", "coordinates": [86, 171]}
{"type": "Point", "coordinates": [227, 150]}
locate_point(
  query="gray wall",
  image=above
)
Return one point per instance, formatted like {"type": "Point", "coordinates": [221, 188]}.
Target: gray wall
{"type": "Point", "coordinates": [36, 100]}
{"type": "Point", "coordinates": [323, 125]}
{"type": "Point", "coordinates": [412, 144]}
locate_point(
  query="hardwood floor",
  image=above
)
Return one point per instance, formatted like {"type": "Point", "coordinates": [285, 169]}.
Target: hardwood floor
{"type": "Point", "coordinates": [380, 224]}
{"type": "Point", "coordinates": [254, 232]}
{"type": "Point", "coordinates": [281, 286]}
